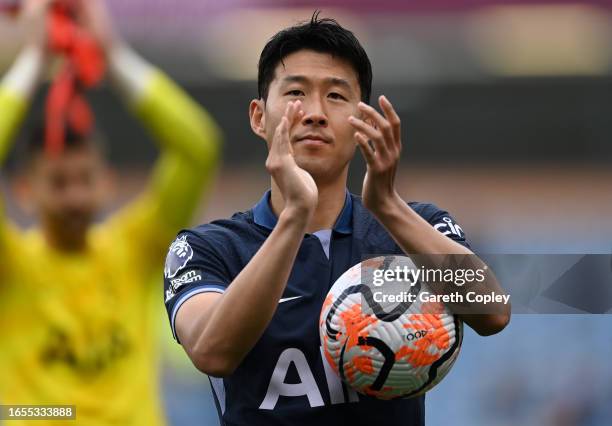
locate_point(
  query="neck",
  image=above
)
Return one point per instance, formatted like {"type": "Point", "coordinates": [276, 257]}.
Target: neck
{"type": "Point", "coordinates": [331, 201]}
{"type": "Point", "coordinates": [65, 242]}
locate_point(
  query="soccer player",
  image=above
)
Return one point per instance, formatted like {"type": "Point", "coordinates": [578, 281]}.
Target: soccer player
{"type": "Point", "coordinates": [76, 325]}
{"type": "Point", "coordinates": [244, 294]}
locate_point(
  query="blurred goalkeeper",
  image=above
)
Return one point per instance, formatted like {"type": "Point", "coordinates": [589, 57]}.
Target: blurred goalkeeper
{"type": "Point", "coordinates": [76, 326]}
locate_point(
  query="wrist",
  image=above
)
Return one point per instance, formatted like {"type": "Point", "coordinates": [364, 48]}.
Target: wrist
{"type": "Point", "coordinates": [23, 76]}
{"type": "Point", "coordinates": [296, 217]}
{"type": "Point", "coordinates": [111, 42]}
{"type": "Point", "coordinates": [388, 207]}
{"type": "Point", "coordinates": [130, 72]}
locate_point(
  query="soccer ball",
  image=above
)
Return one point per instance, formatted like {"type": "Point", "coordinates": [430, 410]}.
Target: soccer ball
{"type": "Point", "coordinates": [387, 349]}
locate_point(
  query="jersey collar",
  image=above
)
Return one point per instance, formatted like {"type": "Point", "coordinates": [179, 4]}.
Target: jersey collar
{"type": "Point", "coordinates": [264, 216]}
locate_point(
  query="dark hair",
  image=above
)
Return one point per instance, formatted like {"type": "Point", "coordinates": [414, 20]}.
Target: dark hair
{"type": "Point", "coordinates": [323, 35]}
{"type": "Point", "coordinates": [34, 141]}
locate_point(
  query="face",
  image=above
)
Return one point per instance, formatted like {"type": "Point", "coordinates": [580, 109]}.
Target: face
{"type": "Point", "coordinates": [67, 191]}
{"type": "Point", "coordinates": [323, 141]}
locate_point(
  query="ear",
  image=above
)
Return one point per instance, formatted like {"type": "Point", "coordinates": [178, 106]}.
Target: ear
{"type": "Point", "coordinates": [257, 117]}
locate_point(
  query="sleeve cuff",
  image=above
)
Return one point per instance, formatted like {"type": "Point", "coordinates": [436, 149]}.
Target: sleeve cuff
{"type": "Point", "coordinates": [130, 72]}
{"type": "Point", "coordinates": [204, 288]}
{"type": "Point", "coordinates": [23, 76]}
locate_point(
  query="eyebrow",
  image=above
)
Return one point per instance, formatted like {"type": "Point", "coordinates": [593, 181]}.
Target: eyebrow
{"type": "Point", "coordinates": [332, 81]}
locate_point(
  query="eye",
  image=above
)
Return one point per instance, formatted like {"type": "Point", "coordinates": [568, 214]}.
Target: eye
{"type": "Point", "coordinates": [295, 92]}
{"type": "Point", "coordinates": [336, 96]}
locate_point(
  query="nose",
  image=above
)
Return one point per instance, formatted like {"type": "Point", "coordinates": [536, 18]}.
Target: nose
{"type": "Point", "coordinates": [77, 196]}
{"type": "Point", "coordinates": [314, 115]}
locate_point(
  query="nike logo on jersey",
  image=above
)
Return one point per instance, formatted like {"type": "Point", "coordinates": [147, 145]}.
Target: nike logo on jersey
{"type": "Point", "coordinates": [286, 299]}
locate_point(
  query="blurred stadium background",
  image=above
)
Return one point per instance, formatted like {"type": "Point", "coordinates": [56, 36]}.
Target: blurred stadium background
{"type": "Point", "coordinates": [506, 110]}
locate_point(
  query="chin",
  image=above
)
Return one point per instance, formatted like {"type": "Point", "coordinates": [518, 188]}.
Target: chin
{"type": "Point", "coordinates": [313, 165]}
{"type": "Point", "coordinates": [319, 168]}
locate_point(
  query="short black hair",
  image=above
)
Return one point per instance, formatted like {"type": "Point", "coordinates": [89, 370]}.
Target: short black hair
{"type": "Point", "coordinates": [34, 141]}
{"type": "Point", "coordinates": [323, 35]}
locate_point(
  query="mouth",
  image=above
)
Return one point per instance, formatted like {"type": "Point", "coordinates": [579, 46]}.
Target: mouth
{"type": "Point", "coordinates": [312, 139]}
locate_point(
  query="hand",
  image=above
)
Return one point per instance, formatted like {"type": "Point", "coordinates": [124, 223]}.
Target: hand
{"type": "Point", "coordinates": [34, 19]}
{"type": "Point", "coordinates": [95, 17]}
{"type": "Point", "coordinates": [297, 187]}
{"type": "Point", "coordinates": [382, 156]}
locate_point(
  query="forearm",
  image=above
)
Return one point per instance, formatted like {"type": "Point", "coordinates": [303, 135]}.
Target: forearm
{"type": "Point", "coordinates": [417, 237]}
{"type": "Point", "coordinates": [412, 233]}
{"type": "Point", "coordinates": [219, 341]}
{"type": "Point", "coordinates": [189, 144]}
{"type": "Point", "coordinates": [16, 89]}
{"type": "Point", "coordinates": [177, 122]}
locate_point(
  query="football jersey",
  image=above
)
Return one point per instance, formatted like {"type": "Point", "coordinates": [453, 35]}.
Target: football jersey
{"type": "Point", "coordinates": [79, 328]}
{"type": "Point", "coordinates": [284, 379]}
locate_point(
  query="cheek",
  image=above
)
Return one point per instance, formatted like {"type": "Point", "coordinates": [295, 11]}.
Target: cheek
{"type": "Point", "coordinates": [48, 200]}
{"type": "Point", "coordinates": [273, 115]}
{"type": "Point", "coordinates": [99, 191]}
{"type": "Point", "coordinates": [270, 127]}
{"type": "Point", "coordinates": [345, 132]}
{"type": "Point", "coordinates": [45, 192]}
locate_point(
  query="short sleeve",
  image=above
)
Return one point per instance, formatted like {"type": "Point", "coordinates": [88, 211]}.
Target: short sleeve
{"type": "Point", "coordinates": [442, 221]}
{"type": "Point", "coordinates": [194, 264]}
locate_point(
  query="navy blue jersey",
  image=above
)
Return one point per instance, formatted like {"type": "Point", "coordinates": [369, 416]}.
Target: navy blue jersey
{"type": "Point", "coordinates": [284, 379]}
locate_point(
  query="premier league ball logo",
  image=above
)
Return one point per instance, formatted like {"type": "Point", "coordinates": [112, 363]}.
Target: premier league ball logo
{"type": "Point", "coordinates": [179, 254]}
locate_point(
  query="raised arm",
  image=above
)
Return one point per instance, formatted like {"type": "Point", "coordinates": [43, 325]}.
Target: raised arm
{"type": "Point", "coordinates": [412, 233]}
{"type": "Point", "coordinates": [217, 331]}
{"type": "Point", "coordinates": [17, 87]}
{"type": "Point", "coordinates": [189, 143]}
{"type": "Point", "coordinates": [186, 135]}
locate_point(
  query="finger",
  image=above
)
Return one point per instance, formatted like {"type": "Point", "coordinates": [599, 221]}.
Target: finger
{"type": "Point", "coordinates": [295, 113]}
{"type": "Point", "coordinates": [279, 142]}
{"type": "Point", "coordinates": [35, 6]}
{"type": "Point", "coordinates": [381, 123]}
{"type": "Point", "coordinates": [372, 133]}
{"type": "Point", "coordinates": [283, 136]}
{"type": "Point", "coordinates": [366, 149]}
{"type": "Point", "coordinates": [392, 118]}
{"type": "Point", "coordinates": [294, 116]}
{"type": "Point", "coordinates": [285, 144]}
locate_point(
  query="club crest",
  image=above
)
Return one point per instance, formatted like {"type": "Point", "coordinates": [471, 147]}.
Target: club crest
{"type": "Point", "coordinates": [179, 254]}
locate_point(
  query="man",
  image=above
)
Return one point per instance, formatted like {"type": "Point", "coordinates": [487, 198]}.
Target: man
{"type": "Point", "coordinates": [244, 295]}
{"type": "Point", "coordinates": [76, 325]}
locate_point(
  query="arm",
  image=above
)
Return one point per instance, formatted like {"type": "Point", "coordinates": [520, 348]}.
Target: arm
{"type": "Point", "coordinates": [410, 231]}
{"type": "Point", "coordinates": [415, 235]}
{"type": "Point", "coordinates": [16, 89]}
{"type": "Point", "coordinates": [21, 80]}
{"type": "Point", "coordinates": [187, 137]}
{"type": "Point", "coordinates": [189, 143]}
{"type": "Point", "coordinates": [218, 331]}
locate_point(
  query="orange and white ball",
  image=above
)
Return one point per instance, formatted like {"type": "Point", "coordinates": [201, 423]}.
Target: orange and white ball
{"type": "Point", "coordinates": [383, 349]}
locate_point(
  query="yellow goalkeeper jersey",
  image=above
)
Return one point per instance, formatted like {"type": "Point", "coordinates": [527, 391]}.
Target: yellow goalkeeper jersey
{"type": "Point", "coordinates": [78, 328]}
